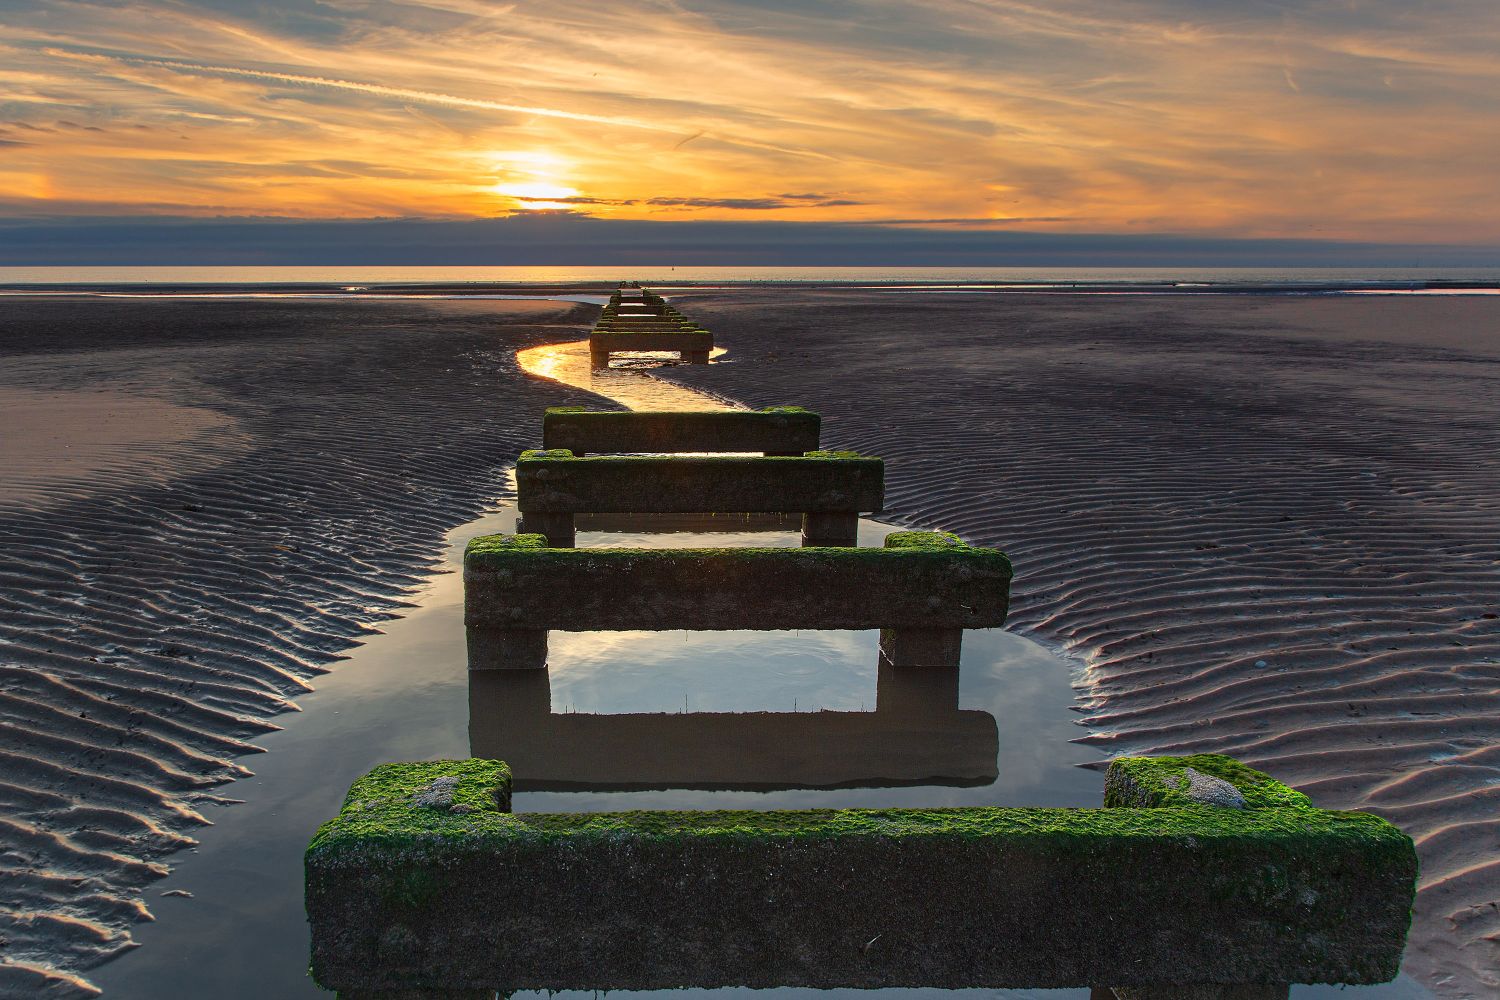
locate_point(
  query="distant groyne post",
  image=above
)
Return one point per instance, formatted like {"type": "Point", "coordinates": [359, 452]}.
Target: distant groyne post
{"type": "Point", "coordinates": [636, 319]}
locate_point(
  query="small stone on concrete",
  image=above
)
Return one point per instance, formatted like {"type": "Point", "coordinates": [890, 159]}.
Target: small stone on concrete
{"type": "Point", "coordinates": [436, 794]}
{"type": "Point", "coordinates": [1212, 791]}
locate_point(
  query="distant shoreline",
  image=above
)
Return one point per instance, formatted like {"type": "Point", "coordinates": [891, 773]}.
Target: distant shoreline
{"type": "Point", "coordinates": [500, 290]}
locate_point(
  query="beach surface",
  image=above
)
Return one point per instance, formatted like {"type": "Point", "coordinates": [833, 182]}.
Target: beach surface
{"type": "Point", "coordinates": [1264, 525]}
{"type": "Point", "coordinates": [1261, 525]}
{"type": "Point", "coordinates": [204, 504]}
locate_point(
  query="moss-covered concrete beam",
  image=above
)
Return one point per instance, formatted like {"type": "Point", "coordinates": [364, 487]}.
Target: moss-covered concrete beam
{"type": "Point", "coordinates": [920, 580]}
{"type": "Point", "coordinates": [1202, 779]}
{"type": "Point", "coordinates": [556, 482]}
{"type": "Point", "coordinates": [781, 430]}
{"type": "Point", "coordinates": [407, 896]}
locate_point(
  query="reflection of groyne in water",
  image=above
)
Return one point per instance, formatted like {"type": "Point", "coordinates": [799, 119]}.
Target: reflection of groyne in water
{"type": "Point", "coordinates": [1199, 871]}
{"type": "Point", "coordinates": [916, 735]}
{"type": "Point", "coordinates": [638, 320]}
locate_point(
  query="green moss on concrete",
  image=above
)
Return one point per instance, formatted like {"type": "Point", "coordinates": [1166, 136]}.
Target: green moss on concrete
{"type": "Point", "coordinates": [1066, 829]}
{"type": "Point", "coordinates": [923, 540]}
{"type": "Point", "coordinates": [406, 896]}
{"type": "Point", "coordinates": [1159, 782]}
{"type": "Point", "coordinates": [382, 809]}
{"type": "Point", "coordinates": [379, 809]}
{"type": "Point", "coordinates": [486, 545]}
{"type": "Point", "coordinates": [786, 409]}
{"type": "Point", "coordinates": [490, 552]}
{"type": "Point", "coordinates": [807, 458]}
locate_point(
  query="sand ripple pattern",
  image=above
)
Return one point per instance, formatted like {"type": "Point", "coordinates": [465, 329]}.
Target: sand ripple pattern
{"type": "Point", "coordinates": [150, 630]}
{"type": "Point", "coordinates": [1263, 526]}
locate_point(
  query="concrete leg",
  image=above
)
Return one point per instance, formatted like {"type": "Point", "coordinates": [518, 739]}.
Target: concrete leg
{"type": "Point", "coordinates": [921, 647]}
{"type": "Point", "coordinates": [557, 527]}
{"type": "Point", "coordinates": [695, 357]}
{"type": "Point", "coordinates": [840, 528]}
{"type": "Point", "coordinates": [598, 359]}
{"type": "Point", "coordinates": [507, 648]}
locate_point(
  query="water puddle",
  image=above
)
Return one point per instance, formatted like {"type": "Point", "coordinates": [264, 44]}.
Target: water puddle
{"type": "Point", "coordinates": [625, 381]}
{"type": "Point", "coordinates": [620, 720]}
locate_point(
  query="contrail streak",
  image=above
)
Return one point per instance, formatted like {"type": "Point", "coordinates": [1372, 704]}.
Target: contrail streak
{"type": "Point", "coordinates": [425, 96]}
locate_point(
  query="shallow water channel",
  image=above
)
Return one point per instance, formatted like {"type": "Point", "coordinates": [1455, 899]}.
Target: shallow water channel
{"type": "Point", "coordinates": [620, 720]}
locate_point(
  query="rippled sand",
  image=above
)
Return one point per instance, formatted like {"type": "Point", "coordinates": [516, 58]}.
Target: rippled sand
{"type": "Point", "coordinates": [230, 496]}
{"type": "Point", "coordinates": [1264, 525]}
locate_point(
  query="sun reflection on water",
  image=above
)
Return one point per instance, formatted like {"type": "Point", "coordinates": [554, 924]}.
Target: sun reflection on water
{"type": "Point", "coordinates": [630, 385]}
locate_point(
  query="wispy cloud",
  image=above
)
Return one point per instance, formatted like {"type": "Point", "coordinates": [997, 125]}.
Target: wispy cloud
{"type": "Point", "coordinates": [1374, 120]}
{"type": "Point", "coordinates": [380, 90]}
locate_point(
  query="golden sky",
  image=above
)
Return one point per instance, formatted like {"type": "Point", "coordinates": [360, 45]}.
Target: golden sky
{"type": "Point", "coordinates": [1365, 119]}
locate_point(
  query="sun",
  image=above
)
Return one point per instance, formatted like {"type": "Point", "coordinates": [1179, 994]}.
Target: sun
{"type": "Point", "coordinates": [537, 193]}
{"type": "Point", "coordinates": [534, 179]}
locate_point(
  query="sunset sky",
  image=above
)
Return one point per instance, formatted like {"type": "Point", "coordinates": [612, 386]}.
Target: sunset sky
{"type": "Point", "coordinates": [1371, 120]}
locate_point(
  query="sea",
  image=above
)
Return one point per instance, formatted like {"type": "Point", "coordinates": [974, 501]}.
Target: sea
{"type": "Point", "coordinates": [351, 280]}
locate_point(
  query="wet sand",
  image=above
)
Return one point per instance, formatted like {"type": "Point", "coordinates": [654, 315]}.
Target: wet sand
{"type": "Point", "coordinates": [1262, 525]}
{"type": "Point", "coordinates": [604, 728]}
{"type": "Point", "coordinates": [176, 616]}
{"type": "Point", "coordinates": [252, 489]}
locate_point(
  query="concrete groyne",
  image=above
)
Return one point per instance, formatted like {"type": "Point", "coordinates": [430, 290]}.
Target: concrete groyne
{"type": "Point", "coordinates": [1200, 877]}
{"type": "Point", "coordinates": [1198, 872]}
{"type": "Point", "coordinates": [639, 320]}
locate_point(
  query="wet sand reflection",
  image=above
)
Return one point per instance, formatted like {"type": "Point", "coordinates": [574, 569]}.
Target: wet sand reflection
{"type": "Point", "coordinates": [625, 381]}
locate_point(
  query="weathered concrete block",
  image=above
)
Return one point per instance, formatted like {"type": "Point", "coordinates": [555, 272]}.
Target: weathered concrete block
{"type": "Point", "coordinates": [557, 482]}
{"type": "Point", "coordinates": [785, 430]}
{"type": "Point", "coordinates": [916, 735]}
{"type": "Point", "coordinates": [506, 649]}
{"type": "Point", "coordinates": [1172, 782]}
{"type": "Point", "coordinates": [919, 580]}
{"type": "Point", "coordinates": [461, 894]}
{"type": "Point", "coordinates": [921, 647]}
{"type": "Point", "coordinates": [685, 342]}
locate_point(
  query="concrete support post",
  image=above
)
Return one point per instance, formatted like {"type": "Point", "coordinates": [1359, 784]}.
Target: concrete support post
{"type": "Point", "coordinates": [598, 358]}
{"type": "Point", "coordinates": [506, 648]}
{"type": "Point", "coordinates": [921, 647]}
{"type": "Point", "coordinates": [839, 528]}
{"type": "Point", "coordinates": [696, 357]}
{"type": "Point", "coordinates": [557, 527]}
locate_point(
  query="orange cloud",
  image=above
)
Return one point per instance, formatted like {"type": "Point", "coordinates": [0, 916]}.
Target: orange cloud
{"type": "Point", "coordinates": [1375, 122]}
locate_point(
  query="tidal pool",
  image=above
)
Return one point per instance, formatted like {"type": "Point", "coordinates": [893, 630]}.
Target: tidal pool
{"type": "Point", "coordinates": [620, 720]}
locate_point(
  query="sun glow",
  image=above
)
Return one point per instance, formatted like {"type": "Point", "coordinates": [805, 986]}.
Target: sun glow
{"type": "Point", "coordinates": [537, 194]}
{"type": "Point", "coordinates": [534, 179]}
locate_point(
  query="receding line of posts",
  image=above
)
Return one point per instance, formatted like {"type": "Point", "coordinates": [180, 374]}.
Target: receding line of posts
{"type": "Point", "coordinates": [640, 320]}
{"type": "Point", "coordinates": [1200, 877]}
